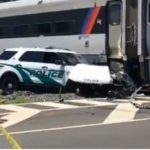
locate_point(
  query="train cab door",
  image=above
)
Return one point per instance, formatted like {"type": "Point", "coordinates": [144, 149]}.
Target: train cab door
{"type": "Point", "coordinates": [148, 36]}
{"type": "Point", "coordinates": [114, 34]}
{"type": "Point", "coordinates": [148, 28]}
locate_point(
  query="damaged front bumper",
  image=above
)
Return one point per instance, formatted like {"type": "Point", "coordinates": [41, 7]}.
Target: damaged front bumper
{"type": "Point", "coordinates": [91, 79]}
{"type": "Point", "coordinates": [91, 74]}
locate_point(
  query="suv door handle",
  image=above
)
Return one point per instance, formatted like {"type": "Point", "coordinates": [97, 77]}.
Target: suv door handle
{"type": "Point", "coordinates": [44, 68]}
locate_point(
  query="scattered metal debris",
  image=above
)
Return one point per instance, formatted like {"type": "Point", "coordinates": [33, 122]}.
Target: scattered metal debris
{"type": "Point", "coordinates": [143, 106]}
{"type": "Point", "coordinates": [134, 94]}
{"type": "Point", "coordinates": [125, 88]}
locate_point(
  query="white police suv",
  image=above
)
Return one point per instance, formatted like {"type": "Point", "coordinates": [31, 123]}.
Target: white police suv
{"type": "Point", "coordinates": [48, 67]}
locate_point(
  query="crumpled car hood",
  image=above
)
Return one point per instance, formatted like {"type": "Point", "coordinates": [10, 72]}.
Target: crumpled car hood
{"type": "Point", "coordinates": [90, 74]}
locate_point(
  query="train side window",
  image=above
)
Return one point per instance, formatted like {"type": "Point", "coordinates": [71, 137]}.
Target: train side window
{"type": "Point", "coordinates": [3, 1]}
{"type": "Point", "coordinates": [64, 27]}
{"type": "Point", "coordinates": [42, 28]}
{"type": "Point", "coordinates": [4, 31]}
{"type": "Point", "coordinates": [114, 14]}
{"type": "Point", "coordinates": [20, 30]}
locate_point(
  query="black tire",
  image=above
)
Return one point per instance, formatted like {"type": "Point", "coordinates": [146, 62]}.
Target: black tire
{"type": "Point", "coordinates": [70, 86]}
{"type": "Point", "coordinates": [9, 84]}
{"type": "Point", "coordinates": [84, 90]}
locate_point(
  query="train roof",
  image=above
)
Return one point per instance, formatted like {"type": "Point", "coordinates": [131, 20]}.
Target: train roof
{"type": "Point", "coordinates": [24, 7]}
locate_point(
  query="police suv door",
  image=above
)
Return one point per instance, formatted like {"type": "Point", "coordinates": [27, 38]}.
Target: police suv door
{"type": "Point", "coordinates": [54, 70]}
{"type": "Point", "coordinates": [30, 66]}
{"type": "Point", "coordinates": [42, 68]}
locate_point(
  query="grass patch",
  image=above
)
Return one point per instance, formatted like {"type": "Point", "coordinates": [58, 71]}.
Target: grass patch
{"type": "Point", "coordinates": [4, 101]}
{"type": "Point", "coordinates": [17, 100]}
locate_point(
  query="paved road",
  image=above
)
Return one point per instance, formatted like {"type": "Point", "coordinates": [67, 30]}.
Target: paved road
{"type": "Point", "coordinates": [4, 144]}
{"type": "Point", "coordinates": [125, 135]}
{"type": "Point", "coordinates": [80, 124]}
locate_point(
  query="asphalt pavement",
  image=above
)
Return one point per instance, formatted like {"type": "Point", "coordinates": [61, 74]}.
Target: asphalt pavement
{"type": "Point", "coordinates": [133, 135]}
{"type": "Point", "coordinates": [78, 124]}
{"type": "Point", "coordinates": [4, 144]}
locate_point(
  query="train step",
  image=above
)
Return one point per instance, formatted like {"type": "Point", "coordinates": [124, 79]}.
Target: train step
{"type": "Point", "coordinates": [144, 98]}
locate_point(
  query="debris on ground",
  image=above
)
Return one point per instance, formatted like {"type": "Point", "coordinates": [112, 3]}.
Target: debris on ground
{"type": "Point", "coordinates": [141, 106]}
{"type": "Point", "coordinates": [124, 86]}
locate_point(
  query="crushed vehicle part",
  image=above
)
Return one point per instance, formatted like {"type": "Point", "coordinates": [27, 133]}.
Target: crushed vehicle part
{"type": "Point", "coordinates": [123, 86]}
{"type": "Point", "coordinates": [143, 106]}
{"type": "Point", "coordinates": [90, 78]}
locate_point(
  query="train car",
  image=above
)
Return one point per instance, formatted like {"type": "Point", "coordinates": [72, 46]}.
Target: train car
{"type": "Point", "coordinates": [88, 27]}
{"type": "Point", "coordinates": [143, 34]}
{"type": "Point", "coordinates": [137, 46]}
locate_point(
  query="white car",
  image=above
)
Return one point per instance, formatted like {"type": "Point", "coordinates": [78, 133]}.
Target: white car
{"type": "Point", "coordinates": [48, 67]}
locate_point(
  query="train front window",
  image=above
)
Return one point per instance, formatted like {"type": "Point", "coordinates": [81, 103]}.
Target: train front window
{"type": "Point", "coordinates": [115, 14]}
{"type": "Point", "coordinates": [149, 13]}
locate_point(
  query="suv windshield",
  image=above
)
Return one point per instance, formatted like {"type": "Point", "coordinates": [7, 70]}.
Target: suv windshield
{"type": "Point", "coordinates": [6, 55]}
{"type": "Point", "coordinates": [72, 59]}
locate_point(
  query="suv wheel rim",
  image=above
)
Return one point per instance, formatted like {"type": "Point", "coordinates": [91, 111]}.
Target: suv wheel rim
{"type": "Point", "coordinates": [10, 86]}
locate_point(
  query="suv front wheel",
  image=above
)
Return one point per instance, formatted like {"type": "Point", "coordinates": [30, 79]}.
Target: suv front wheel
{"type": "Point", "coordinates": [9, 84]}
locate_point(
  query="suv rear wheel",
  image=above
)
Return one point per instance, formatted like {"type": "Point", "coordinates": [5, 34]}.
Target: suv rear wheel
{"type": "Point", "coordinates": [9, 84]}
